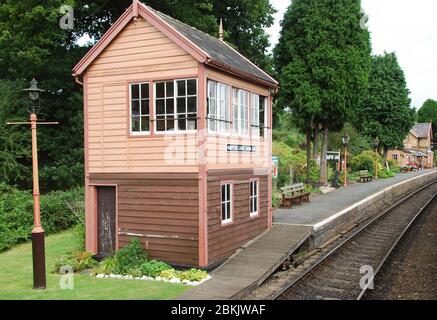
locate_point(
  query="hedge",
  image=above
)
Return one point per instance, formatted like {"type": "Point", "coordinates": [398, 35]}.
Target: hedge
{"type": "Point", "coordinates": [16, 213]}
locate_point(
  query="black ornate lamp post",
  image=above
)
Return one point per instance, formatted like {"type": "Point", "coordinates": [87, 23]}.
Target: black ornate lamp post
{"type": "Point", "coordinates": [38, 248]}
{"type": "Point", "coordinates": [376, 146]}
{"type": "Point", "coordinates": [345, 140]}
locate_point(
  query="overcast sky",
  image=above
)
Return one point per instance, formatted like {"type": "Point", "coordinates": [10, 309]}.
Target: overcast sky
{"type": "Point", "coordinates": [407, 27]}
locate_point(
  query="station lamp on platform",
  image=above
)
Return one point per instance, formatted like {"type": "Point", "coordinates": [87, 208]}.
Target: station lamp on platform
{"type": "Point", "coordinates": [345, 140]}
{"type": "Point", "coordinates": [376, 145]}
{"type": "Point", "coordinates": [38, 248]}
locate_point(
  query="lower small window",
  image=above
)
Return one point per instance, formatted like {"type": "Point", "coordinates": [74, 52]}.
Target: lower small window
{"type": "Point", "coordinates": [254, 191]}
{"type": "Point", "coordinates": [226, 201]}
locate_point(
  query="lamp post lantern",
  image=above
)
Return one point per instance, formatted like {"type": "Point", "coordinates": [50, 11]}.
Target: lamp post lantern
{"type": "Point", "coordinates": [376, 145]}
{"type": "Point", "coordinates": [38, 248]}
{"type": "Point", "coordinates": [345, 140]}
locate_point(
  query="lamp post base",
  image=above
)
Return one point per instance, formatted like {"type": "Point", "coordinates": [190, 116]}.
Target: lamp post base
{"type": "Point", "coordinates": [39, 263]}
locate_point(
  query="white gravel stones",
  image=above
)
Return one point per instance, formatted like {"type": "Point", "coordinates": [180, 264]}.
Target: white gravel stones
{"type": "Point", "coordinates": [158, 278]}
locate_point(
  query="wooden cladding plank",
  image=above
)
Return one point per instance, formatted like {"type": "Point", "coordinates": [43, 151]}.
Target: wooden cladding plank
{"type": "Point", "coordinates": [163, 229]}
{"type": "Point", "coordinates": [140, 56]}
{"type": "Point", "coordinates": [146, 176]}
{"type": "Point", "coordinates": [166, 195]}
{"type": "Point", "coordinates": [146, 62]}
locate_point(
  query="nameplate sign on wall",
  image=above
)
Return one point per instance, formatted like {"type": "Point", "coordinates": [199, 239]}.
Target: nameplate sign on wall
{"type": "Point", "coordinates": [240, 148]}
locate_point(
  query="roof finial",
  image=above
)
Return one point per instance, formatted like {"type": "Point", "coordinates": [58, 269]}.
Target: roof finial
{"type": "Point", "coordinates": [135, 9]}
{"type": "Point", "coordinates": [221, 30]}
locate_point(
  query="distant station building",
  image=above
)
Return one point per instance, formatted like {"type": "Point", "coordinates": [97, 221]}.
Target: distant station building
{"type": "Point", "coordinates": [417, 148]}
{"type": "Point", "coordinates": [177, 141]}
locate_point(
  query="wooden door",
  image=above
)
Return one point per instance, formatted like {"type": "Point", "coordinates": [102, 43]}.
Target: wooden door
{"type": "Point", "coordinates": [106, 203]}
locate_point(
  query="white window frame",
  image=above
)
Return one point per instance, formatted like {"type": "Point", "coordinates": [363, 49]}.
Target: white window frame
{"type": "Point", "coordinates": [254, 198]}
{"type": "Point", "coordinates": [221, 117]}
{"type": "Point", "coordinates": [241, 125]}
{"type": "Point", "coordinates": [229, 215]}
{"type": "Point", "coordinates": [139, 133]}
{"type": "Point", "coordinates": [256, 110]}
{"type": "Point", "coordinates": [175, 111]}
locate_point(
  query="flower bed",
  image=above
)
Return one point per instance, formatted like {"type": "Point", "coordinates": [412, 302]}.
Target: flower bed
{"type": "Point", "coordinates": [132, 263]}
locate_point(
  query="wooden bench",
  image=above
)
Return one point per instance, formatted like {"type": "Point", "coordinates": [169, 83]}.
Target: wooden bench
{"type": "Point", "coordinates": [365, 176]}
{"type": "Point", "coordinates": [294, 194]}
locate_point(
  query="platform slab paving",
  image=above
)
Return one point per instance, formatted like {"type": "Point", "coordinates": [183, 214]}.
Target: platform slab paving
{"type": "Point", "coordinates": [324, 206]}
{"type": "Point", "coordinates": [251, 265]}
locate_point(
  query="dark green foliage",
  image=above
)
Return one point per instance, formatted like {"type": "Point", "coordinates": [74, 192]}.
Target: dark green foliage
{"type": "Point", "coordinates": [79, 261]}
{"type": "Point", "coordinates": [16, 214]}
{"type": "Point", "coordinates": [323, 60]}
{"type": "Point", "coordinates": [428, 113]}
{"type": "Point", "coordinates": [365, 161]}
{"type": "Point", "coordinates": [357, 143]}
{"type": "Point", "coordinates": [323, 63]}
{"type": "Point", "coordinates": [130, 257]}
{"type": "Point", "coordinates": [153, 268]}
{"type": "Point", "coordinates": [386, 113]}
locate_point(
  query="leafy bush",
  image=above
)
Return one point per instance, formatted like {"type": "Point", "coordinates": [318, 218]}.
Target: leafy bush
{"type": "Point", "coordinates": [106, 267]}
{"type": "Point", "coordinates": [16, 214]}
{"type": "Point", "coordinates": [79, 261]}
{"type": "Point", "coordinates": [294, 159]}
{"type": "Point", "coordinates": [193, 275]}
{"type": "Point", "coordinates": [130, 257]}
{"type": "Point", "coordinates": [394, 166]}
{"type": "Point", "coordinates": [170, 274]}
{"type": "Point", "coordinates": [153, 268]}
{"type": "Point", "coordinates": [384, 174]}
{"type": "Point", "coordinates": [365, 161]}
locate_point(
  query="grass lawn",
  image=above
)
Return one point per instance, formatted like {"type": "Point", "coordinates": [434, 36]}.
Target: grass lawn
{"type": "Point", "coordinates": [16, 278]}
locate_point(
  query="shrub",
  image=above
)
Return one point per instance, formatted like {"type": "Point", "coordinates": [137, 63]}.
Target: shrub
{"type": "Point", "coordinates": [294, 159]}
{"type": "Point", "coordinates": [193, 275]}
{"type": "Point", "coordinates": [107, 266]}
{"type": "Point", "coordinates": [170, 274]}
{"type": "Point", "coordinates": [384, 174]}
{"type": "Point", "coordinates": [79, 261]}
{"type": "Point", "coordinates": [394, 166]}
{"type": "Point", "coordinates": [153, 268]}
{"type": "Point", "coordinates": [130, 257]}
{"type": "Point", "coordinates": [363, 161]}
{"type": "Point", "coordinates": [16, 214]}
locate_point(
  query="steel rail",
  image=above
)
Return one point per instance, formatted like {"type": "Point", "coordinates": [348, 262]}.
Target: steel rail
{"type": "Point", "coordinates": [353, 234]}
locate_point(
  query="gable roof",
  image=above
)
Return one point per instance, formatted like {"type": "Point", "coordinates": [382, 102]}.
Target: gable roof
{"type": "Point", "coordinates": [421, 130]}
{"type": "Point", "coordinates": [216, 49]}
{"type": "Point", "coordinates": [203, 47]}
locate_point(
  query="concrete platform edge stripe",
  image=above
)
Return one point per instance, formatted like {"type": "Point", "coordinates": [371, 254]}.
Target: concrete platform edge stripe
{"type": "Point", "coordinates": [321, 224]}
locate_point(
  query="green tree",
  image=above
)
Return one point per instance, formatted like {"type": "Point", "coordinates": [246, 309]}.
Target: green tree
{"type": "Point", "coordinates": [32, 44]}
{"type": "Point", "coordinates": [323, 63]}
{"type": "Point", "coordinates": [428, 113]}
{"type": "Point", "coordinates": [386, 112]}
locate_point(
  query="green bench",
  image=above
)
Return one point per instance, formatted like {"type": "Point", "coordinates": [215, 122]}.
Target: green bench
{"type": "Point", "coordinates": [365, 176]}
{"type": "Point", "coordinates": [294, 194]}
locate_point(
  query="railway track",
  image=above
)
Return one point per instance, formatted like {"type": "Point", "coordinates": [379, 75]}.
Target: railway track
{"type": "Point", "coordinates": [345, 269]}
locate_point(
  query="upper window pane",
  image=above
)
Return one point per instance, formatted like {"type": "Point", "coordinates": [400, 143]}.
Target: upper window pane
{"type": "Point", "coordinates": [191, 87]}
{"type": "Point", "coordinates": [160, 90]}
{"type": "Point", "coordinates": [181, 88]}
{"type": "Point", "coordinates": [139, 108]}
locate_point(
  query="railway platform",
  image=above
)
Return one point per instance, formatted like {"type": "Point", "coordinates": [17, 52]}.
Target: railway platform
{"type": "Point", "coordinates": [322, 208]}
{"type": "Point", "coordinates": [314, 224]}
